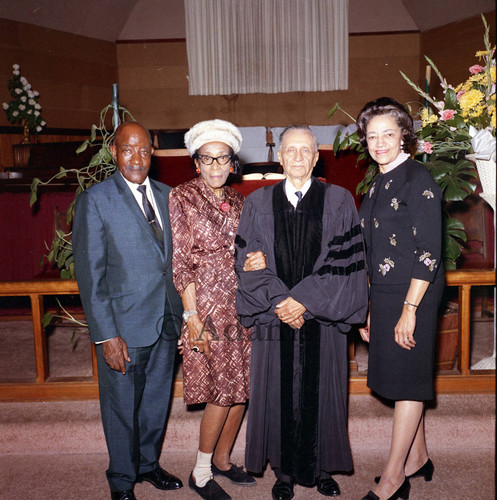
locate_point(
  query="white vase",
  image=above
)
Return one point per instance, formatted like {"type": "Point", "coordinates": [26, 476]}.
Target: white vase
{"type": "Point", "coordinates": [486, 172]}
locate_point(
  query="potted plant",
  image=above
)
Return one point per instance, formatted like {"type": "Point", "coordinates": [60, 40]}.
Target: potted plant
{"type": "Point", "coordinates": [24, 107]}
{"type": "Point", "coordinates": [99, 168]}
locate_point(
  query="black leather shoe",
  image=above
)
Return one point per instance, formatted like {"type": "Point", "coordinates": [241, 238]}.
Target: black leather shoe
{"type": "Point", "coordinates": [211, 491]}
{"type": "Point", "coordinates": [235, 474]}
{"type": "Point", "coordinates": [161, 479]}
{"type": "Point", "coordinates": [328, 487]}
{"type": "Point", "coordinates": [122, 495]}
{"type": "Point", "coordinates": [282, 490]}
{"type": "Point", "coordinates": [402, 492]}
{"type": "Point", "coordinates": [426, 471]}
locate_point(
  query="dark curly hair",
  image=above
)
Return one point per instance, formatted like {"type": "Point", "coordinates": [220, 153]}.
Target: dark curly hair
{"type": "Point", "coordinates": [387, 106]}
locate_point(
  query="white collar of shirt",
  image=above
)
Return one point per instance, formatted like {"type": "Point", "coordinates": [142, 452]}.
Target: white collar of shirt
{"type": "Point", "coordinates": [290, 191]}
{"type": "Point", "coordinates": [400, 159]}
{"type": "Point", "coordinates": [138, 196]}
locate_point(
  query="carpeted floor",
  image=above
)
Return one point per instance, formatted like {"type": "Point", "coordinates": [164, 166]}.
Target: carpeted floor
{"type": "Point", "coordinates": [56, 450]}
{"type": "Point", "coordinates": [73, 477]}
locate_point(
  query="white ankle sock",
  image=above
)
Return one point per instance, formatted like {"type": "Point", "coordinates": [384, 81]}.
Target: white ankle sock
{"type": "Point", "coordinates": [202, 471]}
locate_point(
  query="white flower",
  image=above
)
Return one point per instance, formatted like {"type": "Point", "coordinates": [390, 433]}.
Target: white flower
{"type": "Point", "coordinates": [37, 106]}
{"type": "Point", "coordinates": [27, 86]}
{"type": "Point", "coordinates": [23, 98]}
{"type": "Point", "coordinates": [16, 66]}
{"type": "Point", "coordinates": [5, 106]}
{"type": "Point", "coordinates": [32, 102]}
{"type": "Point", "coordinates": [36, 93]}
{"type": "Point", "coordinates": [15, 113]}
{"type": "Point", "coordinates": [37, 113]}
{"type": "Point", "coordinates": [31, 94]}
{"type": "Point", "coordinates": [22, 107]}
{"type": "Point", "coordinates": [24, 81]}
{"type": "Point", "coordinates": [18, 91]}
{"type": "Point", "coordinates": [43, 123]}
{"type": "Point", "coordinates": [38, 128]}
{"type": "Point", "coordinates": [440, 105]}
{"type": "Point", "coordinates": [16, 72]}
{"type": "Point", "coordinates": [29, 111]}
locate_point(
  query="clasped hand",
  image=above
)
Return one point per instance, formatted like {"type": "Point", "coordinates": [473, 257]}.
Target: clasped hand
{"type": "Point", "coordinates": [291, 312]}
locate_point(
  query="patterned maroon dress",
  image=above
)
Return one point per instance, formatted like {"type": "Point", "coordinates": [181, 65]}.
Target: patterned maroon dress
{"type": "Point", "coordinates": [203, 253]}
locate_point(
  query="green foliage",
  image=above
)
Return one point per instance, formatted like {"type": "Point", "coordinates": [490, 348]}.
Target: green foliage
{"type": "Point", "coordinates": [99, 168]}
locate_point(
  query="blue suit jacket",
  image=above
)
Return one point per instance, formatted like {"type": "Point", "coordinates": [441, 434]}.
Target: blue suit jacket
{"type": "Point", "coordinates": [124, 278]}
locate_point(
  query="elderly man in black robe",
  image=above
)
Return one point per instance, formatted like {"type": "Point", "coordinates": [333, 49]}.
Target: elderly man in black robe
{"type": "Point", "coordinates": [300, 307]}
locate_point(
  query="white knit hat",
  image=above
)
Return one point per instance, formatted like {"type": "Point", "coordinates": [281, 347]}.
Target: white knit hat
{"type": "Point", "coordinates": [213, 131]}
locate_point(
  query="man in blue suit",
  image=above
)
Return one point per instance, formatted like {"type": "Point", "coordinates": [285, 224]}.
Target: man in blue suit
{"type": "Point", "coordinates": [123, 252]}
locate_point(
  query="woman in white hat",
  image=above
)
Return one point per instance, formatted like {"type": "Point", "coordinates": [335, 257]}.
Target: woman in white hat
{"type": "Point", "coordinates": [216, 347]}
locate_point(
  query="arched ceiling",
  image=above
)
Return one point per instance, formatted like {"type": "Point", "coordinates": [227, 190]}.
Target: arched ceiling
{"type": "Point", "coordinates": [114, 20]}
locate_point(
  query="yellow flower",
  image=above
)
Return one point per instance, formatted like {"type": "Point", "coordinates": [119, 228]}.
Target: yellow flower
{"type": "Point", "coordinates": [482, 53]}
{"type": "Point", "coordinates": [477, 111]}
{"type": "Point", "coordinates": [470, 100]}
{"type": "Point", "coordinates": [492, 74]}
{"type": "Point", "coordinates": [480, 78]}
{"type": "Point", "coordinates": [427, 117]}
{"type": "Point", "coordinates": [491, 113]}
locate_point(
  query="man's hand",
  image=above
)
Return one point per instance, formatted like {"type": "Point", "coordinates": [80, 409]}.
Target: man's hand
{"type": "Point", "coordinates": [255, 261]}
{"type": "Point", "coordinates": [115, 352]}
{"type": "Point", "coordinates": [290, 312]}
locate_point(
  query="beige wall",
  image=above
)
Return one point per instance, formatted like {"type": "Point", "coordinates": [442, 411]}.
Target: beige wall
{"type": "Point", "coordinates": [74, 74]}
{"type": "Point", "coordinates": [153, 84]}
{"type": "Point", "coordinates": [452, 48]}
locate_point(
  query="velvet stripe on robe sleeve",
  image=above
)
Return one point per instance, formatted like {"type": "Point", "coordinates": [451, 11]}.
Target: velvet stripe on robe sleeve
{"type": "Point", "coordinates": [337, 291]}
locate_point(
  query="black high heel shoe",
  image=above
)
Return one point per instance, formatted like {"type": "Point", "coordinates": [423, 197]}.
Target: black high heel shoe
{"type": "Point", "coordinates": [426, 471]}
{"type": "Point", "coordinates": [402, 492]}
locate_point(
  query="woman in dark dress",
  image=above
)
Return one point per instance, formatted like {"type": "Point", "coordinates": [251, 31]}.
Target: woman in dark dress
{"type": "Point", "coordinates": [402, 224]}
{"type": "Point", "coordinates": [216, 347]}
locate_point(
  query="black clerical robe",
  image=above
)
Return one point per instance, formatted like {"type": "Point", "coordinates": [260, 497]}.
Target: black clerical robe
{"type": "Point", "coordinates": [298, 391]}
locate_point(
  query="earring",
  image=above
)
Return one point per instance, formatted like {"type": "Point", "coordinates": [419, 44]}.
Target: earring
{"type": "Point", "coordinates": [198, 170]}
{"type": "Point", "coordinates": [232, 169]}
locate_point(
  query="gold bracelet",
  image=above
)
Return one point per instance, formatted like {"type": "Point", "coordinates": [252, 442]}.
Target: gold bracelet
{"type": "Point", "coordinates": [409, 304]}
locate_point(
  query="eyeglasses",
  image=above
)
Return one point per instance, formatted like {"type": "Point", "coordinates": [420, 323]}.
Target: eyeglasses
{"type": "Point", "coordinates": [209, 160]}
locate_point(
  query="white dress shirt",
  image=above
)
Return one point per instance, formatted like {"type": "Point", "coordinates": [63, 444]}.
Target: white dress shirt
{"type": "Point", "coordinates": [139, 198]}
{"type": "Point", "coordinates": [290, 191]}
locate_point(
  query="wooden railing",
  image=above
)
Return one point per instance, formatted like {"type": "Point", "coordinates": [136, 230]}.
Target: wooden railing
{"type": "Point", "coordinates": [45, 387]}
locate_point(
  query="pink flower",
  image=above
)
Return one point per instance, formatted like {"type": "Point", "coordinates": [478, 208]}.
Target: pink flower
{"type": "Point", "coordinates": [427, 262]}
{"type": "Point", "coordinates": [460, 94]}
{"type": "Point", "coordinates": [447, 114]}
{"type": "Point", "coordinates": [387, 267]}
{"type": "Point", "coordinates": [475, 69]}
{"type": "Point", "coordinates": [428, 147]}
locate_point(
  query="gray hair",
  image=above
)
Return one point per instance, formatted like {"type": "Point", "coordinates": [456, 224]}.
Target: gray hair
{"type": "Point", "coordinates": [304, 128]}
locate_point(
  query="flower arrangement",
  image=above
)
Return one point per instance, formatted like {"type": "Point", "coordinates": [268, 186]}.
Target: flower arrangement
{"type": "Point", "coordinates": [464, 121]}
{"type": "Point", "coordinates": [24, 107]}
{"type": "Point", "coordinates": [462, 124]}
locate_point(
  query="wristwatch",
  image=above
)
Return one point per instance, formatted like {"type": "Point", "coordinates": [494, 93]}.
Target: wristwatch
{"type": "Point", "coordinates": [188, 314]}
